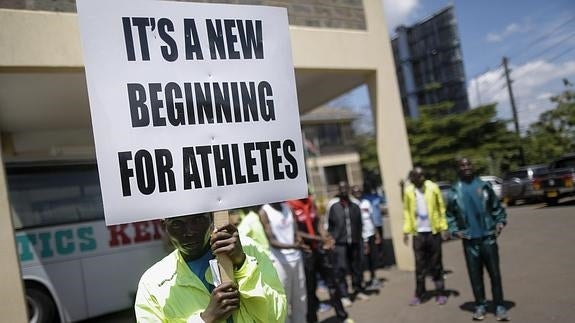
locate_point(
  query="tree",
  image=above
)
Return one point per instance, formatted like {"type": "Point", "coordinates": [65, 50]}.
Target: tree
{"type": "Point", "coordinates": [367, 147]}
{"type": "Point", "coordinates": [553, 134]}
{"type": "Point", "coordinates": [437, 138]}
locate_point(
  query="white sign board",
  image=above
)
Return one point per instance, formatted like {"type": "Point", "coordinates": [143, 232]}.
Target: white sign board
{"type": "Point", "coordinates": [193, 106]}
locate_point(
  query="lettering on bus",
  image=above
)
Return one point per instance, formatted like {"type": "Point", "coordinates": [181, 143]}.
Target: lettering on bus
{"type": "Point", "coordinates": [134, 233]}
{"type": "Point", "coordinates": [55, 243]}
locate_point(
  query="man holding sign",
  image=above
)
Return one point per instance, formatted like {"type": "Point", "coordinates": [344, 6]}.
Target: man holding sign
{"type": "Point", "coordinates": [181, 288]}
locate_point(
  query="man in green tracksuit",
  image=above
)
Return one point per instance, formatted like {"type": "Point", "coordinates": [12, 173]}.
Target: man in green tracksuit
{"type": "Point", "coordinates": [475, 215]}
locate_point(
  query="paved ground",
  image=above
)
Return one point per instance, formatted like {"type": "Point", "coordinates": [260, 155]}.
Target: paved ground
{"type": "Point", "coordinates": [538, 268]}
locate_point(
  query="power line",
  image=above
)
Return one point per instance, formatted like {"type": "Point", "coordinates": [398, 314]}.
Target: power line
{"type": "Point", "coordinates": [561, 54]}
{"type": "Point", "coordinates": [560, 42]}
{"type": "Point", "coordinates": [493, 84]}
{"type": "Point", "coordinates": [542, 37]}
{"type": "Point", "coordinates": [544, 11]}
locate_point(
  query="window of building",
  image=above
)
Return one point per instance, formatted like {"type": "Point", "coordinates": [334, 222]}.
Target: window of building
{"type": "Point", "coordinates": [330, 134]}
{"type": "Point", "coordinates": [335, 174]}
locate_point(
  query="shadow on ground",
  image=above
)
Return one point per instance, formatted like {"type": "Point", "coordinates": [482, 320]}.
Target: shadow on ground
{"type": "Point", "coordinates": [564, 203]}
{"type": "Point", "coordinates": [332, 319]}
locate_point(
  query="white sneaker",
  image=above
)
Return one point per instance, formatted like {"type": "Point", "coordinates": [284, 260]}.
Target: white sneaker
{"type": "Point", "coordinates": [323, 307]}
{"type": "Point", "coordinates": [345, 301]}
{"type": "Point", "coordinates": [361, 296]}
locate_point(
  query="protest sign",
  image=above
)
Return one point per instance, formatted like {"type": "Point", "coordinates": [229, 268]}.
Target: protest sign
{"type": "Point", "coordinates": [193, 106]}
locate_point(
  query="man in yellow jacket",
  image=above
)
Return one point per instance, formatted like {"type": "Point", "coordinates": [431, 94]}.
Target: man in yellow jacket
{"type": "Point", "coordinates": [424, 219]}
{"type": "Point", "coordinates": [181, 287]}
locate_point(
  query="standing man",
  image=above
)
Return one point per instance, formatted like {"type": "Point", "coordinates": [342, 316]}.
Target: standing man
{"type": "Point", "coordinates": [344, 225]}
{"type": "Point", "coordinates": [424, 219]}
{"type": "Point", "coordinates": [251, 226]}
{"type": "Point", "coordinates": [286, 245]}
{"type": "Point", "coordinates": [181, 288]}
{"type": "Point", "coordinates": [476, 216]}
{"type": "Point", "coordinates": [376, 201]}
{"type": "Point", "coordinates": [371, 238]}
{"type": "Point", "coordinates": [319, 260]}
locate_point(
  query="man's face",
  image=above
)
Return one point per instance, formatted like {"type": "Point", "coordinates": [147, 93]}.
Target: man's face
{"type": "Point", "coordinates": [356, 192]}
{"type": "Point", "coordinates": [343, 189]}
{"type": "Point", "coordinates": [465, 169]}
{"type": "Point", "coordinates": [417, 177]}
{"type": "Point", "coordinates": [190, 234]}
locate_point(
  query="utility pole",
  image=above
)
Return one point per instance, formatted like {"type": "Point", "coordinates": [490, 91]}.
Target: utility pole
{"type": "Point", "coordinates": [514, 109]}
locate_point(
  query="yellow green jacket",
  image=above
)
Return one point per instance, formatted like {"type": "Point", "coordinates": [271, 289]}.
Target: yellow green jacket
{"type": "Point", "coordinates": [435, 208]}
{"type": "Point", "coordinates": [170, 292]}
{"type": "Point", "coordinates": [252, 227]}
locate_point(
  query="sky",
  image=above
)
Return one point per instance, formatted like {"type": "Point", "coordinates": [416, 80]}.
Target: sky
{"type": "Point", "coordinates": [538, 38]}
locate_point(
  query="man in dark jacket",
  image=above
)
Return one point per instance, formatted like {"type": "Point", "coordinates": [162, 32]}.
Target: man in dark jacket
{"type": "Point", "coordinates": [345, 226]}
{"type": "Point", "coordinates": [475, 215]}
{"type": "Point", "coordinates": [319, 260]}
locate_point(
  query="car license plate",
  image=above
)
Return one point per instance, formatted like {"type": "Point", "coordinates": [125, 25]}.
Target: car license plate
{"type": "Point", "coordinates": [552, 194]}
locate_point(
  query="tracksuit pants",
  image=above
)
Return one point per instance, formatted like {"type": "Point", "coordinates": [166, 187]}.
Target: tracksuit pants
{"type": "Point", "coordinates": [349, 256]}
{"type": "Point", "coordinates": [427, 250]}
{"type": "Point", "coordinates": [320, 262]}
{"type": "Point", "coordinates": [480, 253]}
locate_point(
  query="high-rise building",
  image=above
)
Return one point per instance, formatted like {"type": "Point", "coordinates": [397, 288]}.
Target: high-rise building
{"type": "Point", "coordinates": [429, 64]}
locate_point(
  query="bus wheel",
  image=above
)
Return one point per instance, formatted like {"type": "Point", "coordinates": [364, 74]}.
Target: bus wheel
{"type": "Point", "coordinates": [41, 307]}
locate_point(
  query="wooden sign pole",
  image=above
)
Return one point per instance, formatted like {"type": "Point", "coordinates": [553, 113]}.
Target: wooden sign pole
{"type": "Point", "coordinates": [221, 218]}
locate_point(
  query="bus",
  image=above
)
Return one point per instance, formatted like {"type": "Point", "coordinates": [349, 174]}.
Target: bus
{"type": "Point", "coordinates": [73, 266]}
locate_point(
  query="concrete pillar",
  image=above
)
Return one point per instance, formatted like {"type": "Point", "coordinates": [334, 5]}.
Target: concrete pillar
{"type": "Point", "coordinates": [13, 305]}
{"type": "Point", "coordinates": [394, 159]}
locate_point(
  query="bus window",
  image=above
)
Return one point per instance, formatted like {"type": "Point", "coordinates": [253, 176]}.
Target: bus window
{"type": "Point", "coordinates": [52, 195]}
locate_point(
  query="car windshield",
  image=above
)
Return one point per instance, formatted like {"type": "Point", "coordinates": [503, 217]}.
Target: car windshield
{"type": "Point", "coordinates": [565, 163]}
{"type": "Point", "coordinates": [539, 170]}
{"type": "Point", "coordinates": [517, 174]}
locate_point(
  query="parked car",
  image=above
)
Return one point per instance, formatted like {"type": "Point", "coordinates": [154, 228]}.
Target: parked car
{"type": "Point", "coordinates": [495, 183]}
{"type": "Point", "coordinates": [522, 184]}
{"type": "Point", "coordinates": [558, 181]}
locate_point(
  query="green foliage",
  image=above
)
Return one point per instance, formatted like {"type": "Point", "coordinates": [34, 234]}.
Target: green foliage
{"type": "Point", "coordinates": [437, 139]}
{"type": "Point", "coordinates": [553, 134]}
{"type": "Point", "coordinates": [367, 147]}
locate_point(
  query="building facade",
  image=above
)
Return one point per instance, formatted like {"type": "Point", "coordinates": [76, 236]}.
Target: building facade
{"type": "Point", "coordinates": [429, 63]}
{"type": "Point", "coordinates": [331, 156]}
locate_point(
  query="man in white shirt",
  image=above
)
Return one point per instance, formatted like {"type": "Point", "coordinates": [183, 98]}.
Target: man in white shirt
{"type": "Point", "coordinates": [371, 237]}
{"type": "Point", "coordinates": [286, 246]}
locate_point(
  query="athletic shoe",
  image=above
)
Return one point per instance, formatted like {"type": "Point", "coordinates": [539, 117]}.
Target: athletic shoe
{"type": "Point", "coordinates": [361, 296]}
{"type": "Point", "coordinates": [375, 284]}
{"type": "Point", "coordinates": [323, 307]}
{"type": "Point", "coordinates": [501, 314]}
{"type": "Point", "coordinates": [415, 301]}
{"type": "Point", "coordinates": [348, 320]}
{"type": "Point", "coordinates": [346, 302]}
{"type": "Point", "coordinates": [479, 314]}
{"type": "Point", "coordinates": [441, 300]}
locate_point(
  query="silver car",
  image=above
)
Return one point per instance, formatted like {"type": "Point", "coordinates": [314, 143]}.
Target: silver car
{"type": "Point", "coordinates": [496, 183]}
{"type": "Point", "coordinates": [521, 184]}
